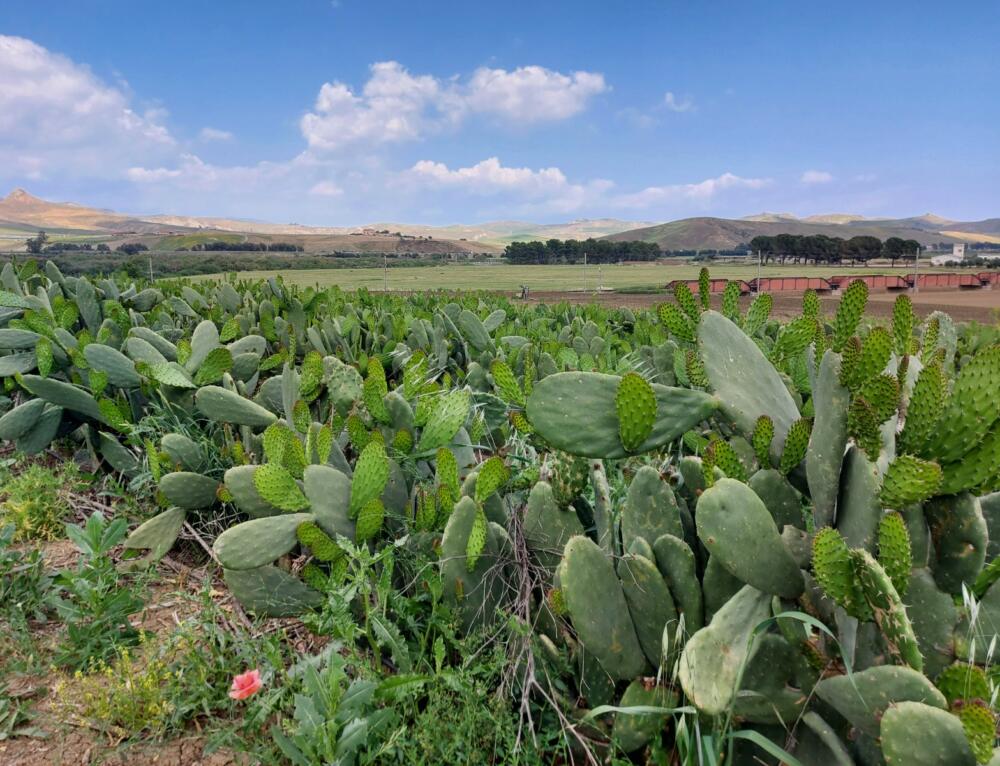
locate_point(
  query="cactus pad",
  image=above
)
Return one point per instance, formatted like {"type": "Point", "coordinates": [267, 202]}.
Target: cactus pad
{"type": "Point", "coordinates": [278, 487]}
{"type": "Point", "coordinates": [635, 403]}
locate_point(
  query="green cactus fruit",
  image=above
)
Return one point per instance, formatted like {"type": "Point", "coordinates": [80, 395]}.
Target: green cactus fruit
{"type": "Point", "coordinates": [894, 552]}
{"type": "Point", "coordinates": [850, 356]}
{"type": "Point", "coordinates": [278, 487]}
{"type": "Point", "coordinates": [882, 393]}
{"type": "Point", "coordinates": [189, 490]}
{"type": "Point", "coordinates": [695, 369]}
{"type": "Point", "coordinates": [713, 658]}
{"type": "Point", "coordinates": [929, 343]}
{"type": "Point", "coordinates": [852, 306]}
{"type": "Point", "coordinates": [902, 324]}
{"type": "Point", "coordinates": [568, 475]}
{"type": "Point", "coordinates": [44, 359]}
{"type": "Point", "coordinates": [226, 406]}
{"type": "Point", "coordinates": [449, 414]}
{"type": "Point", "coordinates": [635, 403]}
{"type": "Point", "coordinates": [863, 426]}
{"type": "Point", "coordinates": [271, 591]}
{"type": "Point", "coordinates": [980, 727]}
{"type": "Point", "coordinates": [425, 514]}
{"type": "Point", "coordinates": [887, 608]}
{"type": "Point", "coordinates": [319, 543]}
{"type": "Point", "coordinates": [506, 383]}
{"type": "Point", "coordinates": [374, 391]}
{"type": "Point", "coordinates": [724, 458]}
{"type": "Point", "coordinates": [301, 416]}
{"type": "Point", "coordinates": [729, 514]}
{"type": "Point", "coordinates": [369, 521]}
{"type": "Point", "coordinates": [875, 353]}
{"type": "Point", "coordinates": [863, 696]}
{"type": "Point", "coordinates": [796, 444]}
{"type": "Point", "coordinates": [731, 301]}
{"type": "Point", "coordinates": [547, 528]}
{"type": "Point", "coordinates": [960, 537]}
{"type": "Point", "coordinates": [704, 288]}
{"type": "Point", "coordinates": [257, 542]}
{"type": "Point", "coordinates": [446, 471]}
{"type": "Point", "coordinates": [757, 313]}
{"type": "Point", "coordinates": [521, 423]}
{"type": "Point", "coordinates": [315, 578]}
{"type": "Point", "coordinates": [650, 606]}
{"type": "Point", "coordinates": [909, 480]}
{"type": "Point", "coordinates": [810, 304]}
{"type": "Point", "coordinates": [371, 473]}
{"type": "Point", "coordinates": [970, 412]}
{"type": "Point", "coordinates": [924, 409]}
{"type": "Point", "coordinates": [963, 681]}
{"type": "Point", "coordinates": [493, 474]}
{"type": "Point", "coordinates": [763, 435]}
{"type": "Point", "coordinates": [357, 433]}
{"type": "Point", "coordinates": [650, 509]}
{"type": "Point", "coordinates": [402, 442]}
{"type": "Point", "coordinates": [676, 321]}
{"type": "Point", "coordinates": [555, 405]}
{"type": "Point", "coordinates": [686, 300]}
{"type": "Point", "coordinates": [746, 383]}
{"type": "Point", "coordinates": [915, 734]}
{"type": "Point", "coordinates": [312, 372]}
{"type": "Point", "coordinates": [834, 571]}
{"type": "Point", "coordinates": [597, 606]}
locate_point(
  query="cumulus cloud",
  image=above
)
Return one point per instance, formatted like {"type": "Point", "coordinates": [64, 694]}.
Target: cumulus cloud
{"type": "Point", "coordinates": [676, 104]}
{"type": "Point", "coordinates": [214, 134]}
{"type": "Point", "coordinates": [813, 177]}
{"type": "Point", "coordinates": [395, 106]}
{"type": "Point", "coordinates": [61, 115]}
{"type": "Point", "coordinates": [702, 191]}
{"type": "Point", "coordinates": [326, 189]}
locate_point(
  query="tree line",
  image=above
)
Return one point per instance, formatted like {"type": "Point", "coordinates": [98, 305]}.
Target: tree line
{"type": "Point", "coordinates": [556, 251]}
{"type": "Point", "coordinates": [823, 249]}
{"type": "Point", "coordinates": [247, 247]}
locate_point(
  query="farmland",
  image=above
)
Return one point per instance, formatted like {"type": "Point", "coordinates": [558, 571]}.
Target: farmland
{"type": "Point", "coordinates": [281, 524]}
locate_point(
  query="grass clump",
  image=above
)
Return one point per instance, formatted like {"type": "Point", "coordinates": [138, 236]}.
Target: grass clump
{"type": "Point", "coordinates": [36, 500]}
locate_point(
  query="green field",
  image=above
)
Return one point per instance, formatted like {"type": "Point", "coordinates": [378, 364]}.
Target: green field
{"type": "Point", "coordinates": [496, 276]}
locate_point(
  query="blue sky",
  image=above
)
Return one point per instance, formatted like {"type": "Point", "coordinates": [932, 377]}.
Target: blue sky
{"type": "Point", "coordinates": [346, 112]}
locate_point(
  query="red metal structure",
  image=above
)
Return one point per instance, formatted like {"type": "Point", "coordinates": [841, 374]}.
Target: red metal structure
{"type": "Point", "coordinates": [790, 284]}
{"type": "Point", "coordinates": [874, 281]}
{"type": "Point", "coordinates": [715, 285]}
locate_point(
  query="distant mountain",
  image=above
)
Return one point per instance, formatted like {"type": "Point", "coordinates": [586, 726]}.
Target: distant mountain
{"type": "Point", "coordinates": [20, 210]}
{"type": "Point", "coordinates": [724, 233]}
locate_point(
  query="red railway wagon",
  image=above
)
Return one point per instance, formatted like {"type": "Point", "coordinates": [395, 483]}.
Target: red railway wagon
{"type": "Point", "coordinates": [989, 277]}
{"type": "Point", "coordinates": [790, 284]}
{"type": "Point", "coordinates": [714, 285]}
{"type": "Point", "coordinates": [946, 281]}
{"type": "Point", "coordinates": [874, 281]}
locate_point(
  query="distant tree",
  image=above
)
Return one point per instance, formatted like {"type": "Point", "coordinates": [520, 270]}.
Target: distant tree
{"type": "Point", "coordinates": [102, 248]}
{"type": "Point", "coordinates": [36, 243]}
{"type": "Point", "coordinates": [131, 248]}
{"type": "Point", "coordinates": [893, 249]}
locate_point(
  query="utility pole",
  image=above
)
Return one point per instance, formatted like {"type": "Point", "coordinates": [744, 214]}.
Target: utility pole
{"type": "Point", "coordinates": [916, 270]}
{"type": "Point", "coordinates": [150, 267]}
{"type": "Point", "coordinates": [759, 257]}
{"type": "Point", "coordinates": [585, 272]}
{"type": "Point", "coordinates": [385, 274]}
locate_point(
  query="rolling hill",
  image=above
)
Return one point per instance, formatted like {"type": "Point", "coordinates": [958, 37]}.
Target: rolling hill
{"type": "Point", "coordinates": [706, 233]}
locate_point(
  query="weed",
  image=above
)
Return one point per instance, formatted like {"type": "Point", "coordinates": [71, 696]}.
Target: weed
{"type": "Point", "coordinates": [36, 500]}
{"type": "Point", "coordinates": [95, 601]}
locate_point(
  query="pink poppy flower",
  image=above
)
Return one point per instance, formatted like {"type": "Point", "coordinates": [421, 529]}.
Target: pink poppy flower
{"type": "Point", "coordinates": [245, 685]}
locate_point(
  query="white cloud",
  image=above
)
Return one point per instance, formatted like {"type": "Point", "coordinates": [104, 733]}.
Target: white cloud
{"type": "Point", "coordinates": [395, 105]}
{"type": "Point", "coordinates": [865, 178]}
{"type": "Point", "coordinates": [326, 189]}
{"type": "Point", "coordinates": [532, 93]}
{"type": "Point", "coordinates": [64, 117]}
{"type": "Point", "coordinates": [813, 177]}
{"type": "Point", "coordinates": [701, 191]}
{"type": "Point", "coordinates": [214, 134]}
{"type": "Point", "coordinates": [675, 104]}
{"type": "Point", "coordinates": [546, 188]}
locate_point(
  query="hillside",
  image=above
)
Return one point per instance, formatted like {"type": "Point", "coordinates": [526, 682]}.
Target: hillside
{"type": "Point", "coordinates": [722, 233]}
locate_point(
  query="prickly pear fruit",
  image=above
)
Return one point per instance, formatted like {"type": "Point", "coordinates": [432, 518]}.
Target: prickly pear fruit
{"type": "Point", "coordinates": [909, 480]}
{"type": "Point", "coordinates": [763, 435]}
{"type": "Point", "coordinates": [635, 403]}
{"type": "Point", "coordinates": [796, 444]}
{"type": "Point", "coordinates": [278, 487]}
{"type": "Point", "coordinates": [371, 473]}
{"type": "Point", "coordinates": [894, 552]}
{"type": "Point", "coordinates": [963, 681]}
{"type": "Point", "coordinates": [834, 572]}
